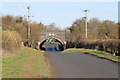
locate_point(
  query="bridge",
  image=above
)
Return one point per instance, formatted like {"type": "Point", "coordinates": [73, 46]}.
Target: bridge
{"type": "Point", "coordinates": [49, 35]}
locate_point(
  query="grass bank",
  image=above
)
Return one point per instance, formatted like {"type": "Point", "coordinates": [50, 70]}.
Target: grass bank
{"type": "Point", "coordinates": [101, 54]}
{"type": "Point", "coordinates": [26, 63]}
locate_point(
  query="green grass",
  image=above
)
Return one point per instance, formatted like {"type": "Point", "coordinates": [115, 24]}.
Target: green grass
{"type": "Point", "coordinates": [40, 67]}
{"type": "Point", "coordinates": [94, 52]}
{"type": "Point", "coordinates": [14, 66]}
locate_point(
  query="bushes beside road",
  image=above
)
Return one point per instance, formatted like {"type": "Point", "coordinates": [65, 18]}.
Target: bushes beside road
{"type": "Point", "coordinates": [11, 41]}
{"type": "Point", "coordinates": [111, 46]}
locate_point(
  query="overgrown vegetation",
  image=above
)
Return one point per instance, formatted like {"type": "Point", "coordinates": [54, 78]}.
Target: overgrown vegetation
{"type": "Point", "coordinates": [11, 41]}
{"type": "Point", "coordinates": [15, 32]}
{"type": "Point", "coordinates": [27, 63]}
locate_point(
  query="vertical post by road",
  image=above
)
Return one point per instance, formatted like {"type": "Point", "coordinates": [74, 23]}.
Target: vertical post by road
{"type": "Point", "coordinates": [119, 32]}
{"type": "Point", "coordinates": [29, 29]}
{"type": "Point", "coordinates": [86, 36]}
{"type": "Point", "coordinates": [28, 25]}
{"type": "Point", "coordinates": [119, 20]}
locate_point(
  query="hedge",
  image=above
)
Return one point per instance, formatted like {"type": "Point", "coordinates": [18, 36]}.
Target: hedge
{"type": "Point", "coordinates": [112, 46]}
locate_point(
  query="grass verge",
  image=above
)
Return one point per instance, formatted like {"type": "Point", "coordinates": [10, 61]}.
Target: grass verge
{"type": "Point", "coordinates": [24, 62]}
{"type": "Point", "coordinates": [100, 54]}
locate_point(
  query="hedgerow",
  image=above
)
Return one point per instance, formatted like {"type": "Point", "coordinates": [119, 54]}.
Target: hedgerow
{"type": "Point", "coordinates": [111, 45]}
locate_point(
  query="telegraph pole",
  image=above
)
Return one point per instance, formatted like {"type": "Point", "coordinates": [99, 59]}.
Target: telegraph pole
{"type": "Point", "coordinates": [28, 25]}
{"type": "Point", "coordinates": [86, 36]}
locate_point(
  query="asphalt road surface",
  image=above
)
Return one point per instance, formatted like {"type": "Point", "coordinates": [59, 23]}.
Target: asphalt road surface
{"type": "Point", "coordinates": [79, 65]}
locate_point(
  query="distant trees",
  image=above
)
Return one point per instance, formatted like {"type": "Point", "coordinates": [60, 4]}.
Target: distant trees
{"type": "Point", "coordinates": [108, 30]}
{"type": "Point", "coordinates": [102, 35]}
{"type": "Point", "coordinates": [35, 33]}
{"type": "Point", "coordinates": [15, 24]}
{"type": "Point", "coordinates": [96, 29]}
{"type": "Point", "coordinates": [119, 30]}
{"type": "Point", "coordinates": [52, 26]}
{"type": "Point", "coordinates": [19, 19]}
{"type": "Point", "coordinates": [77, 30]}
{"type": "Point", "coordinates": [93, 28]}
{"type": "Point", "coordinates": [19, 27]}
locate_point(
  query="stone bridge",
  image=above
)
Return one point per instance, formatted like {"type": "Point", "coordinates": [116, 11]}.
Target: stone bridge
{"type": "Point", "coordinates": [60, 35]}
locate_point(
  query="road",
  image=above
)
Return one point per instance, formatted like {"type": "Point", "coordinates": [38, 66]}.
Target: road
{"type": "Point", "coordinates": [79, 65]}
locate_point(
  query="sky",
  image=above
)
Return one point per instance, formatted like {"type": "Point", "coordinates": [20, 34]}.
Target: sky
{"type": "Point", "coordinates": [63, 14]}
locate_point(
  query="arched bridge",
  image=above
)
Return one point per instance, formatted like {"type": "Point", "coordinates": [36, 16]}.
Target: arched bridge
{"type": "Point", "coordinates": [49, 35]}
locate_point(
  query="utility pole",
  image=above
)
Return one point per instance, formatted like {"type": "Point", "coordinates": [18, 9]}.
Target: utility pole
{"type": "Point", "coordinates": [86, 36]}
{"type": "Point", "coordinates": [28, 25]}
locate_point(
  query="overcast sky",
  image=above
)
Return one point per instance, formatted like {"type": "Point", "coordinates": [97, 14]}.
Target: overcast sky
{"type": "Point", "coordinates": [63, 14]}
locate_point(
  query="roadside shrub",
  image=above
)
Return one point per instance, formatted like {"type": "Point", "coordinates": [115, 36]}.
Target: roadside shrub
{"type": "Point", "coordinates": [11, 41]}
{"type": "Point", "coordinates": [70, 44]}
{"type": "Point", "coordinates": [112, 45]}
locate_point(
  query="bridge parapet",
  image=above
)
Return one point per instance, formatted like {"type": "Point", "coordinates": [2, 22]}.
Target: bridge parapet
{"type": "Point", "coordinates": [61, 35]}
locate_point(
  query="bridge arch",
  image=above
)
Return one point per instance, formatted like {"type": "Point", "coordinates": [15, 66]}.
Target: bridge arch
{"type": "Point", "coordinates": [60, 35]}
{"type": "Point", "coordinates": [60, 43]}
{"type": "Point", "coordinates": [63, 42]}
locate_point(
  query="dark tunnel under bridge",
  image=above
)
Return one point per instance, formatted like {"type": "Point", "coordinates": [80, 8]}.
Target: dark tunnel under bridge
{"type": "Point", "coordinates": [52, 44]}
